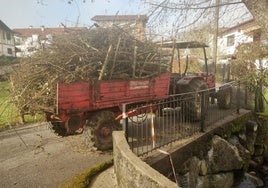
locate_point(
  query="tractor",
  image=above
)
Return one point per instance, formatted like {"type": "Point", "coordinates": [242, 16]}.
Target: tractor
{"type": "Point", "coordinates": [185, 81]}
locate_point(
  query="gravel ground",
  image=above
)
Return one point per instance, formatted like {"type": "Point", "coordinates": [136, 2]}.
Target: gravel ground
{"type": "Point", "coordinates": [33, 156]}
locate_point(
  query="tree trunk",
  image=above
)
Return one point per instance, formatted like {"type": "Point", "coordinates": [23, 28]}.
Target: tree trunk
{"type": "Point", "coordinates": [259, 10]}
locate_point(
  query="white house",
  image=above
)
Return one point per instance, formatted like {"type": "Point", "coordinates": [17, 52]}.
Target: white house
{"type": "Point", "coordinates": [29, 40]}
{"type": "Point", "coordinates": [232, 37]}
{"type": "Point", "coordinates": [7, 42]}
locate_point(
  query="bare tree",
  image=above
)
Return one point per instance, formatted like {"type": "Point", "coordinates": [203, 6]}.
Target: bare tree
{"type": "Point", "coordinates": [249, 68]}
{"type": "Point", "coordinates": [191, 15]}
{"type": "Point", "coordinates": [171, 19]}
{"type": "Point", "coordinates": [259, 10]}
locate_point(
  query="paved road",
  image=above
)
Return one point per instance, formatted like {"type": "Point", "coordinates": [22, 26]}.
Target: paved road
{"type": "Point", "coordinates": [33, 156]}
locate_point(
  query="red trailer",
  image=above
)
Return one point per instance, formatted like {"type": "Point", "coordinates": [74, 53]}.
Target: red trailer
{"type": "Point", "coordinates": [97, 103]}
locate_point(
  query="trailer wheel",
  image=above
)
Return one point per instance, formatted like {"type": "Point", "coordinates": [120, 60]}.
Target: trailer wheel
{"type": "Point", "coordinates": [57, 126]}
{"type": "Point", "coordinates": [73, 124]}
{"type": "Point", "coordinates": [191, 104]}
{"type": "Point", "coordinates": [105, 124]}
{"type": "Point", "coordinates": [224, 97]}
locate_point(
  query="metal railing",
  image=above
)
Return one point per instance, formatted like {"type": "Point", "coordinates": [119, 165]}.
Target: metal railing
{"type": "Point", "coordinates": [158, 123]}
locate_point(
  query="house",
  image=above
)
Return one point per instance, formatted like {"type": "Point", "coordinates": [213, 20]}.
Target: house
{"type": "Point", "coordinates": [134, 24]}
{"type": "Point", "coordinates": [29, 40]}
{"type": "Point", "coordinates": [7, 42]}
{"type": "Point", "coordinates": [232, 37]}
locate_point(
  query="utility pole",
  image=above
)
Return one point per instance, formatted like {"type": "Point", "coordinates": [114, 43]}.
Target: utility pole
{"type": "Point", "coordinates": [215, 35]}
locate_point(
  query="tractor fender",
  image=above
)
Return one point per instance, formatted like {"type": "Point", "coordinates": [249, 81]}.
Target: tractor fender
{"type": "Point", "coordinates": [186, 80]}
{"type": "Point", "coordinates": [225, 86]}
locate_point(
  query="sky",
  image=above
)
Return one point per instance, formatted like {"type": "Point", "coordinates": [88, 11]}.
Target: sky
{"type": "Point", "coordinates": [51, 13]}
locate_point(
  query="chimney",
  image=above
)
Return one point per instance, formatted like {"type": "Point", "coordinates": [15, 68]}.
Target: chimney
{"type": "Point", "coordinates": [62, 25]}
{"type": "Point", "coordinates": [42, 28]}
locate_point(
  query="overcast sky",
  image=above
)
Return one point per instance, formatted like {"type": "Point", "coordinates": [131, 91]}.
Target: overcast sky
{"type": "Point", "coordinates": [51, 13]}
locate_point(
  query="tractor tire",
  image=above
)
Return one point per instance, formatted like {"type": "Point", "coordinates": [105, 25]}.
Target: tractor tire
{"type": "Point", "coordinates": [192, 102]}
{"type": "Point", "coordinates": [88, 137]}
{"type": "Point", "coordinates": [104, 124]}
{"type": "Point", "coordinates": [224, 97]}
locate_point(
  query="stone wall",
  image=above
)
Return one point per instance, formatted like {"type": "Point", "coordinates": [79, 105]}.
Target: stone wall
{"type": "Point", "coordinates": [200, 145]}
{"type": "Point", "coordinates": [232, 153]}
{"type": "Point", "coordinates": [131, 171]}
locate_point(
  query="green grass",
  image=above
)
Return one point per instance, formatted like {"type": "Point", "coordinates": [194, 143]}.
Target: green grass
{"type": "Point", "coordinates": [266, 105]}
{"type": "Point", "coordinates": [4, 89]}
{"type": "Point", "coordinates": [265, 112]}
{"type": "Point", "coordinates": [9, 113]}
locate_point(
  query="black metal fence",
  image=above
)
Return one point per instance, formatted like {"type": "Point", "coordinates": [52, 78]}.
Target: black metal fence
{"type": "Point", "coordinates": [155, 124]}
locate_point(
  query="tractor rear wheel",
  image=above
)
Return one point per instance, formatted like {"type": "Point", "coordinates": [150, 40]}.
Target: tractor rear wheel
{"type": "Point", "coordinates": [192, 102]}
{"type": "Point", "coordinates": [104, 124]}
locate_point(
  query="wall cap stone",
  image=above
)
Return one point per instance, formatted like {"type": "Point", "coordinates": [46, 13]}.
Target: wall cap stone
{"type": "Point", "coordinates": [131, 171]}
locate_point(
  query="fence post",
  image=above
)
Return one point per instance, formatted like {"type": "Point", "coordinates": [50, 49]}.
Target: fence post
{"type": "Point", "coordinates": [203, 100]}
{"type": "Point", "coordinates": [125, 122]}
{"type": "Point", "coordinates": [152, 126]}
{"type": "Point", "coordinates": [238, 98]}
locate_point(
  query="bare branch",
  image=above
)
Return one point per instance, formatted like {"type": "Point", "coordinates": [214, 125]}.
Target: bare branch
{"type": "Point", "coordinates": [175, 6]}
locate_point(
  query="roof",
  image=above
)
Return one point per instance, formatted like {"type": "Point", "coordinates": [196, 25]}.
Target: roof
{"type": "Point", "coordinates": [120, 18]}
{"type": "Point", "coordinates": [4, 26]}
{"type": "Point", "coordinates": [43, 32]}
{"type": "Point", "coordinates": [191, 44]}
{"type": "Point", "coordinates": [242, 26]}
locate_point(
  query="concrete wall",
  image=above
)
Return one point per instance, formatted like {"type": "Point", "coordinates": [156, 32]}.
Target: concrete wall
{"type": "Point", "coordinates": [131, 171]}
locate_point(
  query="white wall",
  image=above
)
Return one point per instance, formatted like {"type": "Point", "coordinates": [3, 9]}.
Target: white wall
{"type": "Point", "coordinates": [239, 38]}
{"type": "Point", "coordinates": [4, 50]}
{"type": "Point", "coordinates": [7, 46]}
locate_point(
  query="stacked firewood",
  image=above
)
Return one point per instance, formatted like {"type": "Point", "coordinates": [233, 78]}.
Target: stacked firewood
{"type": "Point", "coordinates": [98, 54]}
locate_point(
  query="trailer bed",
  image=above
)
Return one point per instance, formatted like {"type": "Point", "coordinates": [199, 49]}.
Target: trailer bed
{"type": "Point", "coordinates": [91, 96]}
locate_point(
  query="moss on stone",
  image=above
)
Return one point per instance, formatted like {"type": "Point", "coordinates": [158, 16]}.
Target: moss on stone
{"type": "Point", "coordinates": [235, 127]}
{"type": "Point", "coordinates": [239, 125]}
{"type": "Point", "coordinates": [263, 114]}
{"type": "Point", "coordinates": [85, 178]}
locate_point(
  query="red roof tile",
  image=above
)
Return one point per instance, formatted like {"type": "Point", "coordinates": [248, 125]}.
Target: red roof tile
{"type": "Point", "coordinates": [243, 25]}
{"type": "Point", "coordinates": [43, 32]}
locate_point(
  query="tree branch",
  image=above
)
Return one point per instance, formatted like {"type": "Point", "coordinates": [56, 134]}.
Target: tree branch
{"type": "Point", "coordinates": [174, 6]}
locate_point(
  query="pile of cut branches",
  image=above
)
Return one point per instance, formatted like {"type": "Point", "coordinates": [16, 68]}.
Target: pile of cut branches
{"type": "Point", "coordinates": [98, 54]}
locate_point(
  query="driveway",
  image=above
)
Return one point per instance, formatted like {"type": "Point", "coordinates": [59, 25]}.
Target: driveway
{"type": "Point", "coordinates": [33, 156]}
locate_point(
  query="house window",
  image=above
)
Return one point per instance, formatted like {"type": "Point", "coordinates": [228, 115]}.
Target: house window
{"type": "Point", "coordinates": [8, 36]}
{"type": "Point", "coordinates": [9, 51]}
{"type": "Point", "coordinates": [230, 40]}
